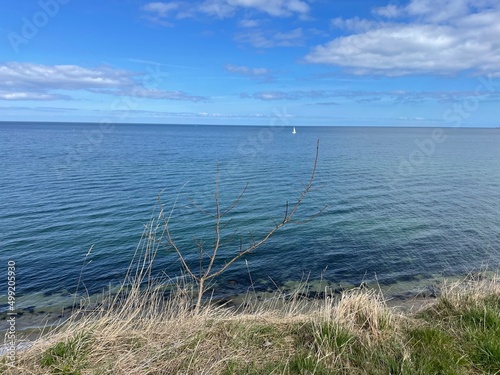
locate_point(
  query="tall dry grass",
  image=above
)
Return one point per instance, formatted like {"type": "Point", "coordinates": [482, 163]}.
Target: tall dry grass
{"type": "Point", "coordinates": [356, 333]}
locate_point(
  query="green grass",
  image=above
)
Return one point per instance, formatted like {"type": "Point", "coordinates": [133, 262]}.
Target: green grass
{"type": "Point", "coordinates": [434, 351]}
{"type": "Point", "coordinates": [67, 358]}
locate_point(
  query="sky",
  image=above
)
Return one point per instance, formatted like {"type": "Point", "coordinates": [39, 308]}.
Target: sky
{"type": "Point", "coordinates": [310, 62]}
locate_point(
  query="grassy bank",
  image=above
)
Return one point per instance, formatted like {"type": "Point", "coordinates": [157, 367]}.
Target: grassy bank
{"type": "Point", "coordinates": [353, 334]}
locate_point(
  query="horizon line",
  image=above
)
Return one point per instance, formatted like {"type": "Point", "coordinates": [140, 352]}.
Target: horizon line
{"type": "Point", "coordinates": [243, 125]}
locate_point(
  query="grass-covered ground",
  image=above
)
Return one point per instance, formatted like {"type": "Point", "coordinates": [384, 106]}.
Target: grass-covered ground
{"type": "Point", "coordinates": [353, 334]}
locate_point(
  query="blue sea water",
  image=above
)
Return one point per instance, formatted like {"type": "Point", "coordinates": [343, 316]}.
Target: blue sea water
{"type": "Point", "coordinates": [403, 204]}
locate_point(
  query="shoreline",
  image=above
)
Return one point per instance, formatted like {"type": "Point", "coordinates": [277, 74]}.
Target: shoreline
{"type": "Point", "coordinates": [32, 326]}
{"type": "Point", "coordinates": [35, 320]}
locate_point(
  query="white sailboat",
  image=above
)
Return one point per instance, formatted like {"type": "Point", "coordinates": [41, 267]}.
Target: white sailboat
{"type": "Point", "coordinates": [294, 131]}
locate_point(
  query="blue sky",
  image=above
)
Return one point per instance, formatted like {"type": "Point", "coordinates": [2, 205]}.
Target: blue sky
{"type": "Point", "coordinates": [314, 62]}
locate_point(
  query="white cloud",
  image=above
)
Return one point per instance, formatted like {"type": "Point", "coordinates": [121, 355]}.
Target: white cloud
{"type": "Point", "coordinates": [354, 24]}
{"type": "Point", "coordinates": [278, 8]}
{"type": "Point", "coordinates": [269, 39]}
{"type": "Point", "coordinates": [245, 70]}
{"type": "Point", "coordinates": [158, 12]}
{"type": "Point", "coordinates": [360, 96]}
{"type": "Point", "coordinates": [215, 8]}
{"type": "Point", "coordinates": [26, 81]}
{"type": "Point", "coordinates": [443, 37]}
{"type": "Point", "coordinates": [20, 95]}
{"type": "Point", "coordinates": [161, 9]}
{"type": "Point", "coordinates": [249, 23]}
{"type": "Point", "coordinates": [60, 76]}
{"type": "Point", "coordinates": [435, 11]}
{"type": "Point", "coordinates": [290, 38]}
{"type": "Point", "coordinates": [145, 93]}
{"type": "Point", "coordinates": [388, 11]}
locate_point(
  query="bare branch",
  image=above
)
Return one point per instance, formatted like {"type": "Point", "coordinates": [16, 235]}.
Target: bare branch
{"type": "Point", "coordinates": [311, 217]}
{"type": "Point", "coordinates": [225, 225]}
{"type": "Point", "coordinates": [246, 251]}
{"type": "Point", "coordinates": [169, 237]}
{"type": "Point", "coordinates": [286, 211]}
{"type": "Point", "coordinates": [217, 224]}
{"type": "Point", "coordinates": [209, 273]}
{"type": "Point", "coordinates": [201, 251]}
{"type": "Point", "coordinates": [200, 257]}
{"type": "Point", "coordinates": [198, 207]}
{"type": "Point", "coordinates": [235, 203]}
{"type": "Point", "coordinates": [272, 231]}
{"type": "Point", "coordinates": [230, 238]}
{"type": "Point", "coordinates": [308, 187]}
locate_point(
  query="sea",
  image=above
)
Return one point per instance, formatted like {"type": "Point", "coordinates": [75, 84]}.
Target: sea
{"type": "Point", "coordinates": [395, 207]}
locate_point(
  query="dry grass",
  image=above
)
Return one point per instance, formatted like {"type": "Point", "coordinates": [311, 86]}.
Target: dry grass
{"type": "Point", "coordinates": [357, 333]}
{"type": "Point", "coordinates": [471, 291]}
{"type": "Point", "coordinates": [143, 335]}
